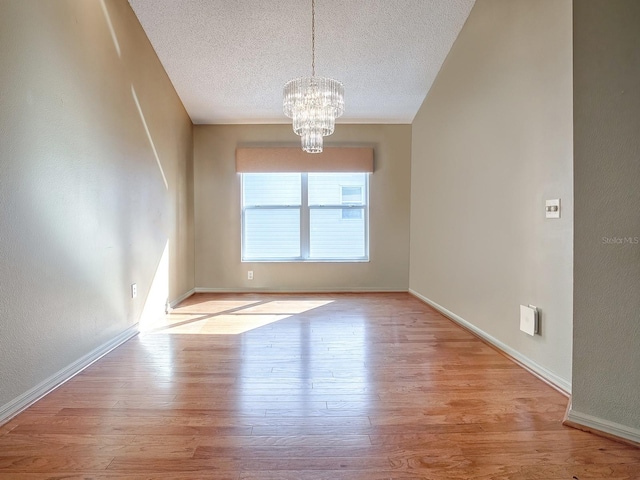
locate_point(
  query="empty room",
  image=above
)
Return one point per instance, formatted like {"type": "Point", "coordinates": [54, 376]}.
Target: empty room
{"type": "Point", "coordinates": [320, 239]}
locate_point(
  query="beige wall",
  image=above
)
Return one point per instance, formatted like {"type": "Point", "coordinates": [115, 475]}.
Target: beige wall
{"type": "Point", "coordinates": [84, 209]}
{"type": "Point", "coordinates": [217, 212]}
{"type": "Point", "coordinates": [491, 142]}
{"type": "Point", "coordinates": [606, 360]}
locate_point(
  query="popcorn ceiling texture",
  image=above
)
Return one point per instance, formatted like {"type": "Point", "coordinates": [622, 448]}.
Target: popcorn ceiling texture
{"type": "Point", "coordinates": [229, 60]}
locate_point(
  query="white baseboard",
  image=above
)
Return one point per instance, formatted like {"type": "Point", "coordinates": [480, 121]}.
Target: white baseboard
{"type": "Point", "coordinates": [300, 290]}
{"type": "Point", "coordinates": [549, 376]}
{"type": "Point", "coordinates": [181, 298]}
{"type": "Point", "coordinates": [602, 425]}
{"type": "Point", "coordinates": [17, 405]}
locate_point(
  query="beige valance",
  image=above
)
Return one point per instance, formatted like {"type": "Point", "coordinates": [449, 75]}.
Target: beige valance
{"type": "Point", "coordinates": [293, 159]}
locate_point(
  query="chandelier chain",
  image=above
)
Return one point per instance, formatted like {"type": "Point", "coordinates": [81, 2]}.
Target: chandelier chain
{"type": "Point", "coordinates": [313, 102]}
{"type": "Point", "coordinates": [313, 38]}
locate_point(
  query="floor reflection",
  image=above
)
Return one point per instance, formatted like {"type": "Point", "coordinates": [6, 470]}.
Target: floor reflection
{"type": "Point", "coordinates": [291, 357]}
{"type": "Point", "coordinates": [315, 359]}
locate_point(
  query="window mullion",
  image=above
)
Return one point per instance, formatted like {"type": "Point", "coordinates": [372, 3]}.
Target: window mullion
{"type": "Point", "coordinates": [305, 221]}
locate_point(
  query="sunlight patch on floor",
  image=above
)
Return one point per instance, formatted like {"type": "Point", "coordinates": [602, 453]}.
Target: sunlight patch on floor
{"type": "Point", "coordinates": [286, 306]}
{"type": "Point", "coordinates": [230, 317]}
{"type": "Point", "coordinates": [214, 306]}
{"type": "Point", "coordinates": [224, 325]}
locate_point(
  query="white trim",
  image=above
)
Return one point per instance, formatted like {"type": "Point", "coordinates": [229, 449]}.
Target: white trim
{"type": "Point", "coordinates": [605, 426]}
{"type": "Point", "coordinates": [548, 375]}
{"type": "Point", "coordinates": [181, 298]}
{"type": "Point", "coordinates": [299, 290]}
{"type": "Point", "coordinates": [17, 405]}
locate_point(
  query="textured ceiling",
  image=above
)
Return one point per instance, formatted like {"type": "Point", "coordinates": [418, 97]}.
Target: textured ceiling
{"type": "Point", "coordinates": [229, 59]}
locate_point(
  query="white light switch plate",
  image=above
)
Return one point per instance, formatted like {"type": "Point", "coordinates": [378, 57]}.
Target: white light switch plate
{"type": "Point", "coordinates": [552, 208]}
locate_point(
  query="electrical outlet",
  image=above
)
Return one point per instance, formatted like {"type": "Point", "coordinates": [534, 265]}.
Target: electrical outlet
{"type": "Point", "coordinates": [134, 290]}
{"type": "Point", "coordinates": [250, 275]}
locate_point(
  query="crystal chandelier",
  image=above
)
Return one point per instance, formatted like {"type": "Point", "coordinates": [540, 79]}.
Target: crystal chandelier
{"type": "Point", "coordinates": [313, 102]}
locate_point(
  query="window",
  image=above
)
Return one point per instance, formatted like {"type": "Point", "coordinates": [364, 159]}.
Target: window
{"type": "Point", "coordinates": [305, 216]}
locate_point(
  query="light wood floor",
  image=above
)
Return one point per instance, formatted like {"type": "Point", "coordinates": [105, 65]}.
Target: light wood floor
{"type": "Point", "coordinates": [295, 387]}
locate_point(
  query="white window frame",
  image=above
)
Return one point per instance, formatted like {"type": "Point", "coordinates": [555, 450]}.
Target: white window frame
{"type": "Point", "coordinates": [305, 224]}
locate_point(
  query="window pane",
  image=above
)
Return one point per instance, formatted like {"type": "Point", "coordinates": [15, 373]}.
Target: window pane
{"type": "Point", "coordinates": [271, 189]}
{"type": "Point", "coordinates": [337, 188]}
{"type": "Point", "coordinates": [272, 233]}
{"type": "Point", "coordinates": [352, 195]}
{"type": "Point", "coordinates": [335, 237]}
{"type": "Point", "coordinates": [352, 213]}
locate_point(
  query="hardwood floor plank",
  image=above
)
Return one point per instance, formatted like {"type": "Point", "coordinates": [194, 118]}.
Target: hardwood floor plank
{"type": "Point", "coordinates": [137, 430]}
{"type": "Point", "coordinates": [153, 465]}
{"type": "Point", "coordinates": [97, 451]}
{"type": "Point", "coordinates": [296, 451]}
{"type": "Point", "coordinates": [337, 386]}
{"type": "Point", "coordinates": [300, 440]}
{"type": "Point", "coordinates": [360, 464]}
{"type": "Point", "coordinates": [43, 463]}
{"type": "Point", "coordinates": [330, 474]}
{"type": "Point", "coordinates": [101, 475]}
